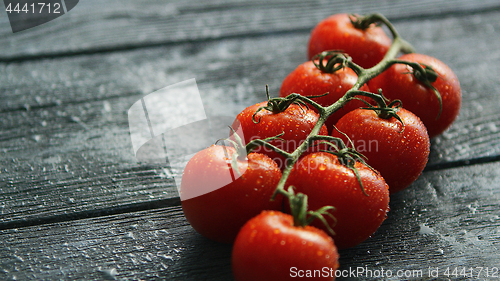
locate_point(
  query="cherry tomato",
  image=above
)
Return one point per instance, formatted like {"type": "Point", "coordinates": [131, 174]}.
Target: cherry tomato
{"type": "Point", "coordinates": [398, 82]}
{"type": "Point", "coordinates": [327, 182]}
{"type": "Point", "coordinates": [296, 122]}
{"type": "Point", "coordinates": [308, 80]}
{"type": "Point", "coordinates": [399, 155]}
{"type": "Point", "coordinates": [366, 47]}
{"type": "Point", "coordinates": [270, 247]}
{"type": "Point", "coordinates": [216, 201]}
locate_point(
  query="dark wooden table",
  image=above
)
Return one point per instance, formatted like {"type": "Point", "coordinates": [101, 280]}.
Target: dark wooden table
{"type": "Point", "coordinates": [76, 204]}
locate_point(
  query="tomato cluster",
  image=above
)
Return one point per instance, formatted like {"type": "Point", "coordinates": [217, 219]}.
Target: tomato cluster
{"type": "Point", "coordinates": [351, 126]}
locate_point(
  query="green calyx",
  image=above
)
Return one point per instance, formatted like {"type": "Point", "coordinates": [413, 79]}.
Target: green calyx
{"type": "Point", "coordinates": [347, 156]}
{"type": "Point", "coordinates": [278, 105]}
{"type": "Point", "coordinates": [303, 217]}
{"type": "Point", "coordinates": [241, 151]}
{"type": "Point", "coordinates": [384, 110]}
{"type": "Point", "coordinates": [331, 61]}
{"type": "Point", "coordinates": [376, 19]}
{"type": "Point", "coordinates": [252, 145]}
{"type": "Point", "coordinates": [364, 22]}
{"type": "Point", "coordinates": [426, 75]}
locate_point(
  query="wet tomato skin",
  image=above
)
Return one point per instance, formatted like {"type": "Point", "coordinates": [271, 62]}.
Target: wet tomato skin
{"type": "Point", "coordinates": [399, 155]}
{"type": "Point", "coordinates": [366, 47]}
{"type": "Point", "coordinates": [327, 182]}
{"type": "Point", "coordinates": [307, 80]}
{"type": "Point", "coordinates": [270, 248]}
{"type": "Point", "coordinates": [296, 122]}
{"type": "Point", "coordinates": [397, 82]}
{"type": "Point", "coordinates": [216, 201]}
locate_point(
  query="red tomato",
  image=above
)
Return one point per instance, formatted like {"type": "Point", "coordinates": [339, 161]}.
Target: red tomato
{"type": "Point", "coordinates": [308, 80]}
{"type": "Point", "coordinates": [398, 83]}
{"type": "Point", "coordinates": [366, 47]}
{"type": "Point", "coordinates": [270, 247]}
{"type": "Point", "coordinates": [216, 201]}
{"type": "Point", "coordinates": [295, 122]}
{"type": "Point", "coordinates": [400, 156]}
{"type": "Point", "coordinates": [327, 182]}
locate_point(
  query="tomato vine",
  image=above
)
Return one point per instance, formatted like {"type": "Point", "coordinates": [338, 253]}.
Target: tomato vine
{"type": "Point", "coordinates": [340, 178]}
{"type": "Point", "coordinates": [330, 61]}
{"type": "Point", "coordinates": [293, 127]}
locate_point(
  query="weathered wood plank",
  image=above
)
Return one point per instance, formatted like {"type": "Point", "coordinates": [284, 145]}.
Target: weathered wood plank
{"type": "Point", "coordinates": [447, 219]}
{"type": "Point", "coordinates": [71, 153]}
{"type": "Point", "coordinates": [144, 245]}
{"type": "Point", "coordinates": [105, 26]}
{"type": "Point", "coordinates": [260, 60]}
{"type": "Point", "coordinates": [61, 163]}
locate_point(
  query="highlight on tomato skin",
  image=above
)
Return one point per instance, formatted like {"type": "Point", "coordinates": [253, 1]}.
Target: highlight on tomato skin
{"type": "Point", "coordinates": [366, 47]}
{"type": "Point", "coordinates": [227, 199]}
{"type": "Point", "coordinates": [307, 80]}
{"type": "Point", "coordinates": [399, 153]}
{"type": "Point", "coordinates": [398, 82]}
{"type": "Point", "coordinates": [217, 201]}
{"type": "Point", "coordinates": [270, 248]}
{"type": "Point", "coordinates": [327, 182]}
{"type": "Point", "coordinates": [293, 125]}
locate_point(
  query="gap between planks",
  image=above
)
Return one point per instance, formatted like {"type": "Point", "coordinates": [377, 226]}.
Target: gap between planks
{"type": "Point", "coordinates": [175, 201]}
{"type": "Point", "coordinates": [254, 34]}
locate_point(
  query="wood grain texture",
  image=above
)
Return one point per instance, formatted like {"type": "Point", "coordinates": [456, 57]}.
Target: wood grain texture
{"type": "Point", "coordinates": [144, 245]}
{"type": "Point", "coordinates": [447, 219]}
{"type": "Point", "coordinates": [76, 205]}
{"type": "Point", "coordinates": [65, 143]}
{"type": "Point", "coordinates": [94, 26]}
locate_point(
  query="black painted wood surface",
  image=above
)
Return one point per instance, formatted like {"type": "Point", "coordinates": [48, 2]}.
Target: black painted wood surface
{"type": "Point", "coordinates": [76, 204]}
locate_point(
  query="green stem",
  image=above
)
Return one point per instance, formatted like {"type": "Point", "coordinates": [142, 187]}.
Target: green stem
{"type": "Point", "coordinates": [364, 75]}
